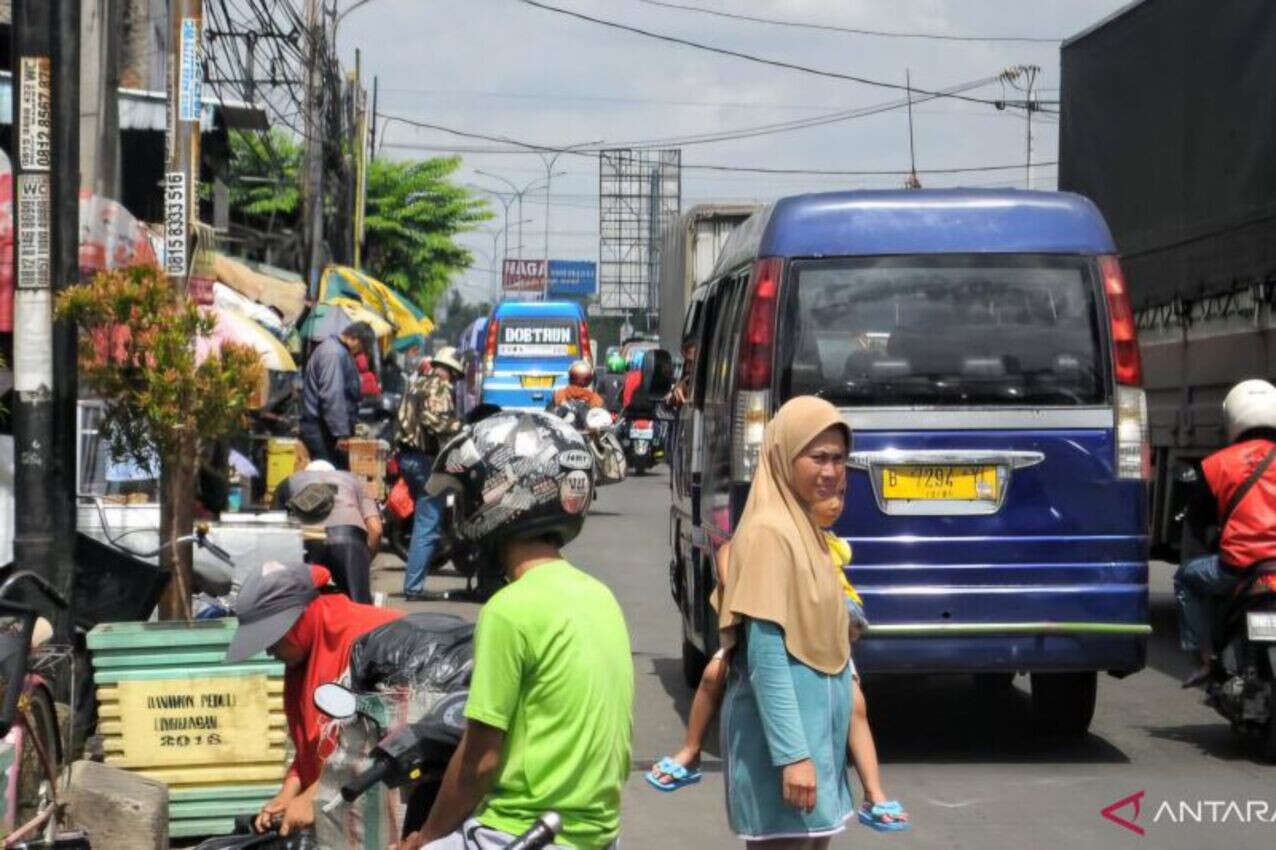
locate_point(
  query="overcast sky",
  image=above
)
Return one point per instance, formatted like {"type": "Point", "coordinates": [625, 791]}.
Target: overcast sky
{"type": "Point", "coordinates": [504, 68]}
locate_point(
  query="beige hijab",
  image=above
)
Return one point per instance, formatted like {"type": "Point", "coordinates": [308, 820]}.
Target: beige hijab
{"type": "Point", "coordinates": [779, 562]}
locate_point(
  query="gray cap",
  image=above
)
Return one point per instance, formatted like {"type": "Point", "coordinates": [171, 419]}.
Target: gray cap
{"type": "Point", "coordinates": [270, 600]}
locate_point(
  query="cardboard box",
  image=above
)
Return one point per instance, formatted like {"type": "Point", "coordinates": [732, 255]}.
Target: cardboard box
{"type": "Point", "coordinates": [367, 462]}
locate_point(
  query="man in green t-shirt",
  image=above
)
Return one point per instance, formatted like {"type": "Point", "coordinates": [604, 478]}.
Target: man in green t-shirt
{"type": "Point", "coordinates": [550, 708]}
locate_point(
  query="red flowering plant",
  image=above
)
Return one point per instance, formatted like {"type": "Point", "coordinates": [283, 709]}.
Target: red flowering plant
{"type": "Point", "coordinates": [147, 351]}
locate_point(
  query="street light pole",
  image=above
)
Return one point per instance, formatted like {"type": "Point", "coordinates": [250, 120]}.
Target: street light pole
{"type": "Point", "coordinates": [548, 161]}
{"type": "Point", "coordinates": [516, 193]}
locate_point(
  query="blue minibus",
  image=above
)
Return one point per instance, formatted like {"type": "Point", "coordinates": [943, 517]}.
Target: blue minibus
{"type": "Point", "coordinates": [981, 347]}
{"type": "Point", "coordinates": [528, 349]}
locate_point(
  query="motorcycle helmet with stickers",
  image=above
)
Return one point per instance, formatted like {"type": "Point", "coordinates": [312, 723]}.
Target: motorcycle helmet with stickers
{"type": "Point", "coordinates": [516, 476]}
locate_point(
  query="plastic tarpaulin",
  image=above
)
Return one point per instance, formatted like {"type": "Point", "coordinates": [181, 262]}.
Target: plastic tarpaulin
{"type": "Point", "coordinates": [408, 319]}
{"type": "Point", "coordinates": [288, 297]}
{"type": "Point", "coordinates": [225, 298]}
{"type": "Point", "coordinates": [1168, 124]}
{"type": "Point", "coordinates": [110, 237]}
{"type": "Point", "coordinates": [233, 326]}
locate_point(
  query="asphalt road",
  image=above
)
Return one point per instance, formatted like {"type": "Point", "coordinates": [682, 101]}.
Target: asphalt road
{"type": "Point", "coordinates": [968, 768]}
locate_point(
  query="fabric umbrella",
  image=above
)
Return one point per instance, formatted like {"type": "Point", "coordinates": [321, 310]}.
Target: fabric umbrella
{"type": "Point", "coordinates": [359, 313]}
{"type": "Point", "coordinates": [233, 326]}
{"type": "Point", "coordinates": [325, 320]}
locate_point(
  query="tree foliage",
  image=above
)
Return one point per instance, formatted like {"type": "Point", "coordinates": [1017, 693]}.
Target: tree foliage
{"type": "Point", "coordinates": [460, 314]}
{"type": "Point", "coordinates": [414, 212]}
{"type": "Point", "coordinates": [138, 352]}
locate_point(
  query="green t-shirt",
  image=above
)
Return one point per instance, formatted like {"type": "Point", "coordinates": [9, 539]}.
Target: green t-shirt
{"type": "Point", "coordinates": [552, 667]}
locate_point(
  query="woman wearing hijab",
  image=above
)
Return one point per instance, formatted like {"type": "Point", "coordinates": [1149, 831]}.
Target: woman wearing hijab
{"type": "Point", "coordinates": [282, 611]}
{"type": "Point", "coordinates": [787, 710]}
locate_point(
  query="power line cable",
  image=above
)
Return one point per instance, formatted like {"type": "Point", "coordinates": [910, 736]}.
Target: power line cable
{"type": "Point", "coordinates": [748, 57]}
{"type": "Point", "coordinates": [850, 30]}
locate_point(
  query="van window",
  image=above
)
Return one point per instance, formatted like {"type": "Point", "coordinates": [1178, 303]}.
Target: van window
{"type": "Point", "coordinates": [945, 330]}
{"type": "Point", "coordinates": [537, 337]}
{"type": "Point", "coordinates": [722, 351]}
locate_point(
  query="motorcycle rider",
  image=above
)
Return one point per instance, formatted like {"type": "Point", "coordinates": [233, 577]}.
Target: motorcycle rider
{"type": "Point", "coordinates": [1230, 524]}
{"type": "Point", "coordinates": [550, 707]}
{"type": "Point", "coordinates": [612, 383]}
{"type": "Point", "coordinates": [580, 380]}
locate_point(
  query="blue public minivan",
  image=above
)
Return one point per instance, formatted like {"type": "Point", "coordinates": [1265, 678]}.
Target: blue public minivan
{"type": "Point", "coordinates": [530, 345]}
{"type": "Point", "coordinates": [981, 347]}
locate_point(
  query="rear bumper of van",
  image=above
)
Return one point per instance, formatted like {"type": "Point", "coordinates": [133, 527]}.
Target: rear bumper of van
{"type": "Point", "coordinates": [1003, 647]}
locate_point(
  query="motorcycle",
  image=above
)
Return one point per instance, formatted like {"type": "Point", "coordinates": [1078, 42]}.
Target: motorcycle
{"type": "Point", "coordinates": [595, 425]}
{"type": "Point", "coordinates": [643, 442]}
{"type": "Point", "coordinates": [1242, 684]}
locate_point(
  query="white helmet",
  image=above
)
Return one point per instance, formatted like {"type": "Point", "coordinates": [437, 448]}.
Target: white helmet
{"type": "Point", "coordinates": [1250, 404]}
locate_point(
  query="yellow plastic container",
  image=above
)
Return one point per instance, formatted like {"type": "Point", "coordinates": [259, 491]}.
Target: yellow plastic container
{"type": "Point", "coordinates": [281, 461]}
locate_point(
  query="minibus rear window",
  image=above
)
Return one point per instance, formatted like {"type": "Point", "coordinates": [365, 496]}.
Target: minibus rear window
{"type": "Point", "coordinates": [537, 338]}
{"type": "Point", "coordinates": [943, 330]}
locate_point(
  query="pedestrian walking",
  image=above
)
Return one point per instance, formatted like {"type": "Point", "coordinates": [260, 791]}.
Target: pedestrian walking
{"type": "Point", "coordinates": [338, 501]}
{"type": "Point", "coordinates": [787, 710]}
{"type": "Point", "coordinates": [427, 420]}
{"type": "Point", "coordinates": [330, 394]}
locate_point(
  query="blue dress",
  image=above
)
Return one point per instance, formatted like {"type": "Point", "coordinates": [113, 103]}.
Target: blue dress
{"type": "Point", "coordinates": [778, 711]}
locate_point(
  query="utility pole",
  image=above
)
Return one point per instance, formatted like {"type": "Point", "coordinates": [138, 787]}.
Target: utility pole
{"type": "Point", "coordinates": [1031, 71]}
{"type": "Point", "coordinates": [912, 182]}
{"type": "Point", "coordinates": [101, 29]}
{"type": "Point", "coordinates": [65, 266]}
{"type": "Point", "coordinates": [360, 150]}
{"type": "Point", "coordinates": [372, 153]}
{"type": "Point", "coordinates": [185, 103]}
{"type": "Point", "coordinates": [312, 189]}
{"type": "Point", "coordinates": [40, 176]}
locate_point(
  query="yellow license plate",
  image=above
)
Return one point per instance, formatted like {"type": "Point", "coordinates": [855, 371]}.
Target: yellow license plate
{"type": "Point", "coordinates": [538, 382]}
{"type": "Point", "coordinates": [935, 483]}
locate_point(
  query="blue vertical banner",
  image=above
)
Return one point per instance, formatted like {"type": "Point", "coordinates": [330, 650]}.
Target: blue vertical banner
{"type": "Point", "coordinates": [190, 72]}
{"type": "Point", "coordinates": [572, 278]}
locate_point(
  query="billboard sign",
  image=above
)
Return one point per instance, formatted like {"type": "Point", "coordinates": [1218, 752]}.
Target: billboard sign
{"type": "Point", "coordinates": [572, 278]}
{"type": "Point", "coordinates": [523, 279]}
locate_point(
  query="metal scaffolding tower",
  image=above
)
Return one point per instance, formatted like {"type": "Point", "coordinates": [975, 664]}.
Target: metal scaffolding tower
{"type": "Point", "coordinates": [639, 193]}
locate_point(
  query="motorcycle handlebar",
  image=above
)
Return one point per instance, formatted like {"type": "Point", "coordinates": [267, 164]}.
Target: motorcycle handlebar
{"type": "Point", "coordinates": [361, 783]}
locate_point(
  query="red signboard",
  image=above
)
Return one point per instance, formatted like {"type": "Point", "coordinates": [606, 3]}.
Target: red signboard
{"type": "Point", "coordinates": [523, 278]}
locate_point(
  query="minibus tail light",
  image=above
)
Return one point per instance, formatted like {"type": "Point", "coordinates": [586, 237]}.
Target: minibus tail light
{"type": "Point", "coordinates": [1126, 361]}
{"type": "Point", "coordinates": [758, 339]}
{"type": "Point", "coordinates": [489, 347]}
{"type": "Point", "coordinates": [753, 370]}
{"type": "Point", "coordinates": [585, 353]}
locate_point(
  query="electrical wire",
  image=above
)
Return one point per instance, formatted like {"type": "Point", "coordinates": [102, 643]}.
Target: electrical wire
{"type": "Point", "coordinates": [749, 57]}
{"type": "Point", "coordinates": [850, 30]}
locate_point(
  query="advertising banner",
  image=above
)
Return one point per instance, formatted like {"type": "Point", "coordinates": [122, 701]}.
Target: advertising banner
{"type": "Point", "coordinates": [523, 279]}
{"type": "Point", "coordinates": [572, 278]}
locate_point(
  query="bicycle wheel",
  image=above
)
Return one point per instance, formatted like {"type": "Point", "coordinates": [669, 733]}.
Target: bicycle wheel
{"type": "Point", "coordinates": [40, 721]}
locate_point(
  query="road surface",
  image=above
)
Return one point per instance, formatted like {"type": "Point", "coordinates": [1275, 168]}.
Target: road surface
{"type": "Point", "coordinates": [968, 768]}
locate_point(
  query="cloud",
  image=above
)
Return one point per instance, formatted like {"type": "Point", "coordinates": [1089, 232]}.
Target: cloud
{"type": "Point", "coordinates": [502, 67]}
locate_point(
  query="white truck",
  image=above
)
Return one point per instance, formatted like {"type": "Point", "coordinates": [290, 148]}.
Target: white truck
{"type": "Point", "coordinates": [689, 248]}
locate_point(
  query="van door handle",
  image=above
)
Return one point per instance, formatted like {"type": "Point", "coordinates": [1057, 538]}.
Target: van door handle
{"type": "Point", "coordinates": [944, 457]}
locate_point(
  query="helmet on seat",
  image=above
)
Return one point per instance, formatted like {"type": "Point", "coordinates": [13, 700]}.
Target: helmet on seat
{"type": "Point", "coordinates": [581, 374]}
{"type": "Point", "coordinates": [1249, 405]}
{"type": "Point", "coordinates": [517, 476]}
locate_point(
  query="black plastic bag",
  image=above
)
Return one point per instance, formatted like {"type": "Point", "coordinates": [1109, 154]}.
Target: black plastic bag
{"type": "Point", "coordinates": [423, 650]}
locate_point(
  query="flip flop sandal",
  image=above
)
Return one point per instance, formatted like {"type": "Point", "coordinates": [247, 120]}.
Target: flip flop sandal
{"type": "Point", "coordinates": [679, 774]}
{"type": "Point", "coordinates": [874, 816]}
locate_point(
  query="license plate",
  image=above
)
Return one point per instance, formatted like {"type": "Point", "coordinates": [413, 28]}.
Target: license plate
{"type": "Point", "coordinates": [640, 447]}
{"type": "Point", "coordinates": [538, 382]}
{"type": "Point", "coordinates": [940, 483]}
{"type": "Point", "coordinates": [640, 434]}
{"type": "Point", "coordinates": [1261, 625]}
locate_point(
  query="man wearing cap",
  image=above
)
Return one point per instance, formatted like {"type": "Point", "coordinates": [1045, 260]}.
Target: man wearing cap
{"type": "Point", "coordinates": [427, 420]}
{"type": "Point", "coordinates": [330, 394]}
{"type": "Point", "coordinates": [283, 610]}
{"type": "Point", "coordinates": [351, 523]}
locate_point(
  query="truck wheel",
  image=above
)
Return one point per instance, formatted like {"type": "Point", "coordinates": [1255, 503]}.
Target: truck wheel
{"type": "Point", "coordinates": [1063, 703]}
{"type": "Point", "coordinates": [693, 664]}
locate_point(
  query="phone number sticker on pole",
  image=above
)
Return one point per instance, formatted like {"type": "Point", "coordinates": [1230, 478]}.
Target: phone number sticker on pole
{"type": "Point", "coordinates": [190, 77]}
{"type": "Point", "coordinates": [35, 103]}
{"type": "Point", "coordinates": [175, 230]}
{"type": "Point", "coordinates": [34, 245]}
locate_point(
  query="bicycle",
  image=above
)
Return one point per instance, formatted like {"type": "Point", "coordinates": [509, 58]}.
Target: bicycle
{"type": "Point", "coordinates": [29, 721]}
